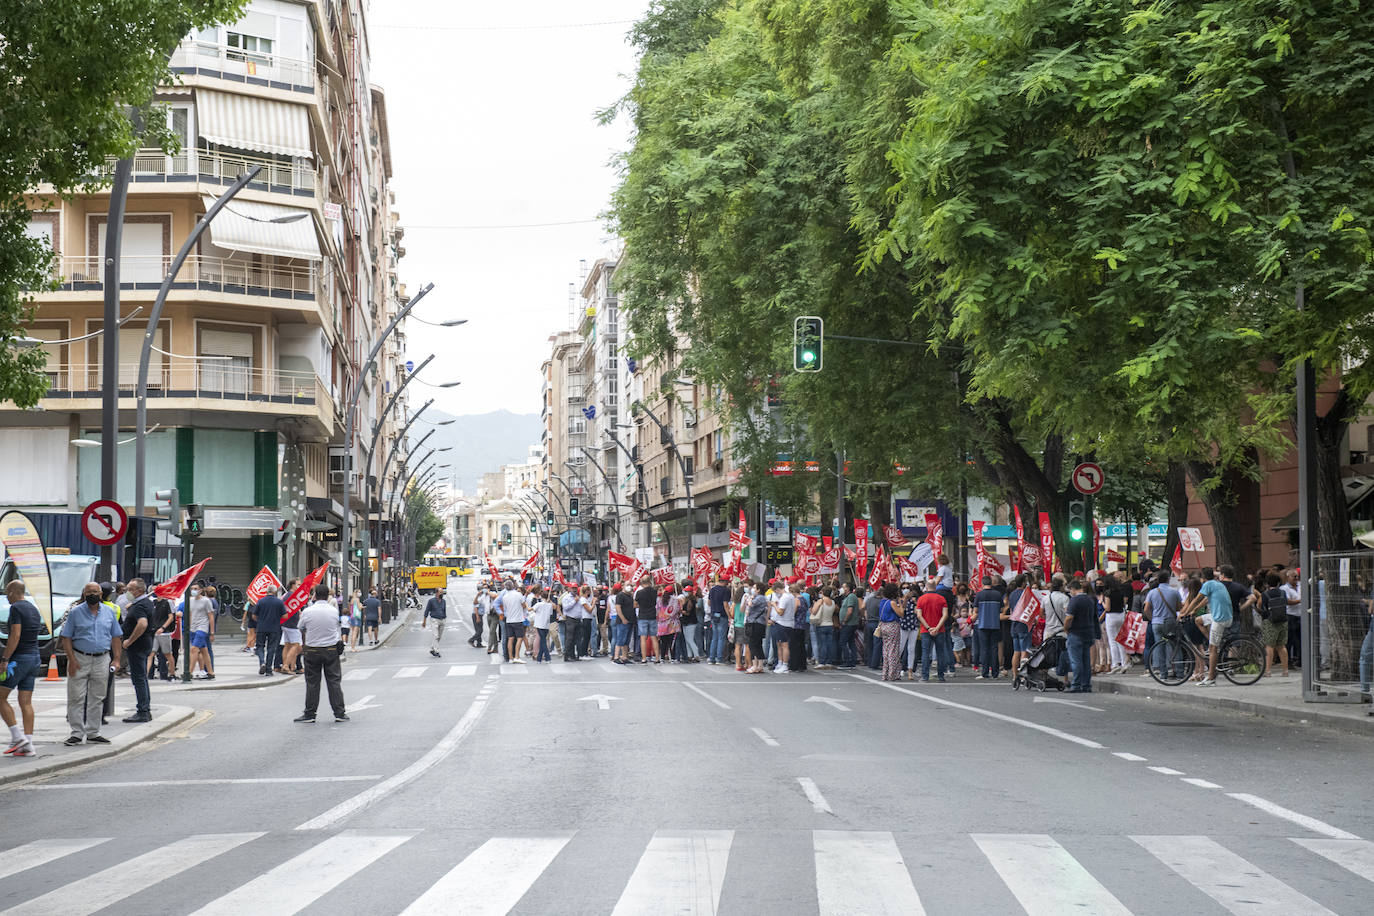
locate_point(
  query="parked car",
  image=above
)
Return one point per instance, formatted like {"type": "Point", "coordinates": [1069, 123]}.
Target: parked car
{"type": "Point", "coordinates": [69, 574]}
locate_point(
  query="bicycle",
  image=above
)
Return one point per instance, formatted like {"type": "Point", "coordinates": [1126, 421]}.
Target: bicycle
{"type": "Point", "coordinates": [1240, 658]}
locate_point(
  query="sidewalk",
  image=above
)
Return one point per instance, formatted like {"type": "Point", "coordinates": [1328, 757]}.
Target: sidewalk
{"type": "Point", "coordinates": [50, 729]}
{"type": "Point", "coordinates": [1272, 697]}
{"type": "Point", "coordinates": [238, 670]}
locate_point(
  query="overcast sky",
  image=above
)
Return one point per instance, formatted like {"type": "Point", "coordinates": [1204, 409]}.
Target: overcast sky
{"type": "Point", "coordinates": [492, 112]}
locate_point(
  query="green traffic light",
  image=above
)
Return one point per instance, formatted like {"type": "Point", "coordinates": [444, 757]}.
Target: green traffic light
{"type": "Point", "coordinates": [808, 356]}
{"type": "Point", "coordinates": [1075, 534]}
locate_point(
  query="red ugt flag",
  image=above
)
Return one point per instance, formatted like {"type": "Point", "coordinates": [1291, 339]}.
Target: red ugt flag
{"type": "Point", "coordinates": [263, 584]}
{"type": "Point", "coordinates": [301, 596]}
{"type": "Point", "coordinates": [176, 586]}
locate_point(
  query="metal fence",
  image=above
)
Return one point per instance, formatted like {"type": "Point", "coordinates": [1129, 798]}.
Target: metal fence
{"type": "Point", "coordinates": [1334, 634]}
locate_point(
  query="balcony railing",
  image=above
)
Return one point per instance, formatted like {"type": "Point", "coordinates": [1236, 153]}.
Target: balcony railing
{"type": "Point", "coordinates": [273, 70]}
{"type": "Point", "coordinates": [206, 377]}
{"type": "Point", "coordinates": [221, 168]}
{"type": "Point", "coordinates": [221, 275]}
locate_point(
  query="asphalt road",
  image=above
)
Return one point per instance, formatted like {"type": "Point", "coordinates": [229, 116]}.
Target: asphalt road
{"type": "Point", "coordinates": [465, 787]}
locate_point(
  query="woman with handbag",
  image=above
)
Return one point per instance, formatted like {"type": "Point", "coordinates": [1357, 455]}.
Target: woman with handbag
{"type": "Point", "coordinates": [669, 622]}
{"type": "Point", "coordinates": [889, 630]}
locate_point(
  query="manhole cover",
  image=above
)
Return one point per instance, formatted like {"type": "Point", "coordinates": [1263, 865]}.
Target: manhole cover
{"type": "Point", "coordinates": [1182, 724]}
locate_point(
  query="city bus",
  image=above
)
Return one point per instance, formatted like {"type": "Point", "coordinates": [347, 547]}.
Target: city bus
{"type": "Point", "coordinates": [463, 563]}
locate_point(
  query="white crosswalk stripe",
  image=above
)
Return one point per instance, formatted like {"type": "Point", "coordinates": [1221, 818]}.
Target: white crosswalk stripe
{"type": "Point", "coordinates": [412, 671]}
{"type": "Point", "coordinates": [681, 872]}
{"type": "Point", "coordinates": [108, 887]}
{"type": "Point", "coordinates": [461, 670]}
{"type": "Point", "coordinates": [297, 883]}
{"type": "Point", "coordinates": [1045, 878]}
{"type": "Point", "coordinates": [1231, 881]}
{"type": "Point", "coordinates": [41, 852]}
{"type": "Point", "coordinates": [359, 674]}
{"type": "Point", "coordinates": [491, 880]}
{"type": "Point", "coordinates": [1353, 855]}
{"type": "Point", "coordinates": [514, 669]}
{"type": "Point", "coordinates": [861, 874]}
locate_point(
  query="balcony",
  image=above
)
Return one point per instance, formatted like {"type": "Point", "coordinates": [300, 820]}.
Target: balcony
{"type": "Point", "coordinates": [202, 58]}
{"type": "Point", "coordinates": [203, 384]}
{"type": "Point", "coordinates": [221, 168]}
{"type": "Point", "coordinates": [269, 278]}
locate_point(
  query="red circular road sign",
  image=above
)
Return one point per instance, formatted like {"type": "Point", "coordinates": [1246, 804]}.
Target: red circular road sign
{"type": "Point", "coordinates": [104, 522]}
{"type": "Point", "coordinates": [1088, 478]}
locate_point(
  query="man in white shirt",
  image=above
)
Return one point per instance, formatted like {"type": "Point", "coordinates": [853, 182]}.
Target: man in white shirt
{"type": "Point", "coordinates": [784, 612]}
{"type": "Point", "coordinates": [512, 605]}
{"type": "Point", "coordinates": [319, 624]}
{"type": "Point", "coordinates": [569, 612]}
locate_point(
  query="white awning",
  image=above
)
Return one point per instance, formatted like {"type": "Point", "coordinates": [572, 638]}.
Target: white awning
{"type": "Point", "coordinates": [246, 226]}
{"type": "Point", "coordinates": [244, 122]}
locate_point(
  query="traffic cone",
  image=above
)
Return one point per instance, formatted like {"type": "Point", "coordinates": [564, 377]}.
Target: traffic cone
{"type": "Point", "coordinates": [52, 668]}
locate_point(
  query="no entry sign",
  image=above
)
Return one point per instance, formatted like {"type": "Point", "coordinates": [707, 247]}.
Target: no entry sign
{"type": "Point", "coordinates": [104, 522]}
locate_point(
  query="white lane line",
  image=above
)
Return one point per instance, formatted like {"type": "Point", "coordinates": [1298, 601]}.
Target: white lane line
{"type": "Point", "coordinates": [108, 887]}
{"type": "Point", "coordinates": [1238, 885]}
{"type": "Point", "coordinates": [1311, 823]}
{"type": "Point", "coordinates": [359, 674]}
{"type": "Point", "coordinates": [297, 883]}
{"type": "Point", "coordinates": [697, 690]}
{"type": "Point", "coordinates": [1200, 783]}
{"type": "Point", "coordinates": [1133, 758]}
{"type": "Point", "coordinates": [680, 872]}
{"type": "Point", "coordinates": [863, 873]}
{"type": "Point", "coordinates": [432, 757]}
{"type": "Point", "coordinates": [765, 737]}
{"type": "Point", "coordinates": [1353, 855]}
{"type": "Point", "coordinates": [1166, 771]}
{"type": "Point", "coordinates": [1024, 723]}
{"type": "Point", "coordinates": [818, 802]}
{"type": "Point", "coordinates": [1045, 879]}
{"type": "Point", "coordinates": [41, 852]}
{"type": "Point", "coordinates": [490, 881]}
{"type": "Point", "coordinates": [461, 670]}
{"type": "Point", "coordinates": [162, 783]}
{"type": "Point", "coordinates": [411, 671]}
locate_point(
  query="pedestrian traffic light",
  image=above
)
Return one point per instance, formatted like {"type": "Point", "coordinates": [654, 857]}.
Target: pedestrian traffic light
{"type": "Point", "coordinates": [195, 521]}
{"type": "Point", "coordinates": [808, 338]}
{"type": "Point", "coordinates": [169, 514]}
{"type": "Point", "coordinates": [283, 531]}
{"type": "Point", "coordinates": [572, 505]}
{"type": "Point", "coordinates": [358, 550]}
{"type": "Point", "coordinates": [1078, 520]}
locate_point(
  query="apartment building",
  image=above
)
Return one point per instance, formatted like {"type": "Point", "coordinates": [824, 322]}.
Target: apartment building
{"type": "Point", "coordinates": [267, 322]}
{"type": "Point", "coordinates": [564, 436]}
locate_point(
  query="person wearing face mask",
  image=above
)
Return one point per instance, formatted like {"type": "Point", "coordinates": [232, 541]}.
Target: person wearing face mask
{"type": "Point", "coordinates": [201, 613]}
{"type": "Point", "coordinates": [91, 639]}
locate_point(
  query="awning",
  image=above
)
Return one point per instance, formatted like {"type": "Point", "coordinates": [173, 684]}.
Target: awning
{"type": "Point", "coordinates": [246, 226]}
{"type": "Point", "coordinates": [244, 122]}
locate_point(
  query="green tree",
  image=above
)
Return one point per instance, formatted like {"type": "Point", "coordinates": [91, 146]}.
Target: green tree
{"type": "Point", "coordinates": [73, 70]}
{"type": "Point", "coordinates": [425, 526]}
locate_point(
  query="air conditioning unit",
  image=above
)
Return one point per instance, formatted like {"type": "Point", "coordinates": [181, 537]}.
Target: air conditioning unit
{"type": "Point", "coordinates": [718, 464]}
{"type": "Point", "coordinates": [338, 478]}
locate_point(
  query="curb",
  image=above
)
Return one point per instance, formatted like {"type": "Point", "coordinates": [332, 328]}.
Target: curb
{"type": "Point", "coordinates": [1313, 716]}
{"type": "Point", "coordinates": [174, 716]}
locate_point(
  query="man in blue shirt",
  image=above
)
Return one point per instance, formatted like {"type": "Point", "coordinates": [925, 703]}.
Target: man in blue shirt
{"type": "Point", "coordinates": [989, 604]}
{"type": "Point", "coordinates": [716, 599]}
{"type": "Point", "coordinates": [437, 609]}
{"type": "Point", "coordinates": [1081, 630]}
{"type": "Point", "coordinates": [1213, 597]}
{"type": "Point", "coordinates": [91, 639]}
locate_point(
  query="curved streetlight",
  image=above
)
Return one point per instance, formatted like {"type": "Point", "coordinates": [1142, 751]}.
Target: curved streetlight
{"type": "Point", "coordinates": [643, 492]}
{"type": "Point", "coordinates": [27, 342]}
{"type": "Point", "coordinates": [682, 465]}
{"type": "Point", "coordinates": [615, 502]}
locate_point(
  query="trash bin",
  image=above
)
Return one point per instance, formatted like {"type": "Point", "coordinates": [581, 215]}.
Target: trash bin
{"type": "Point", "coordinates": [388, 610]}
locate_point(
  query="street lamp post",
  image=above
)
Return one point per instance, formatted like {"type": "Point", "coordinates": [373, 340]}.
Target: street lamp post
{"type": "Point", "coordinates": [615, 502]}
{"type": "Point", "coordinates": [682, 465]}
{"type": "Point", "coordinates": [109, 349]}
{"type": "Point", "coordinates": [154, 316]}
{"type": "Point", "coordinates": [643, 492]}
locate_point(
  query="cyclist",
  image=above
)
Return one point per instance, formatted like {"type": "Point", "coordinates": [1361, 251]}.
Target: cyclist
{"type": "Point", "coordinates": [1214, 597]}
{"type": "Point", "coordinates": [1162, 604]}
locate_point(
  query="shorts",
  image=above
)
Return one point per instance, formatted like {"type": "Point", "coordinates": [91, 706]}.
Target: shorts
{"type": "Point", "coordinates": [1020, 642]}
{"type": "Point", "coordinates": [290, 636]}
{"type": "Point", "coordinates": [1216, 631]}
{"type": "Point", "coordinates": [740, 637]}
{"type": "Point", "coordinates": [26, 669]}
{"type": "Point", "coordinates": [370, 622]}
{"type": "Point", "coordinates": [200, 639]}
{"type": "Point", "coordinates": [515, 630]}
{"type": "Point", "coordinates": [648, 628]}
{"type": "Point", "coordinates": [162, 643]}
{"type": "Point", "coordinates": [1274, 635]}
{"type": "Point", "coordinates": [620, 634]}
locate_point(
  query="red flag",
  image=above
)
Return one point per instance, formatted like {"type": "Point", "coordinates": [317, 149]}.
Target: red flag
{"type": "Point", "coordinates": [1047, 557]}
{"type": "Point", "coordinates": [894, 536]}
{"type": "Point", "coordinates": [176, 586]}
{"type": "Point", "coordinates": [701, 561]}
{"type": "Point", "coordinates": [1026, 607]}
{"type": "Point", "coordinates": [826, 542]}
{"type": "Point", "coordinates": [1020, 541]}
{"type": "Point", "coordinates": [830, 560]}
{"type": "Point", "coordinates": [263, 584]}
{"type": "Point", "coordinates": [860, 547]}
{"type": "Point", "coordinates": [935, 533]}
{"type": "Point", "coordinates": [664, 576]}
{"type": "Point", "coordinates": [300, 597]}
{"type": "Point", "coordinates": [880, 571]}
{"type": "Point", "coordinates": [909, 569]}
{"type": "Point", "coordinates": [1176, 564]}
{"type": "Point", "coordinates": [1097, 546]}
{"type": "Point", "coordinates": [1114, 557]}
{"type": "Point", "coordinates": [978, 551]}
{"type": "Point", "coordinates": [491, 567]}
{"type": "Point", "coordinates": [805, 543]}
{"type": "Point", "coordinates": [530, 563]}
{"type": "Point", "coordinates": [558, 575]}
{"type": "Point", "coordinates": [994, 564]}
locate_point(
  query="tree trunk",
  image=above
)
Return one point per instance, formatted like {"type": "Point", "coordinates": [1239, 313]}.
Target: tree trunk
{"type": "Point", "coordinates": [1333, 517]}
{"type": "Point", "coordinates": [1221, 501]}
{"type": "Point", "coordinates": [1176, 509]}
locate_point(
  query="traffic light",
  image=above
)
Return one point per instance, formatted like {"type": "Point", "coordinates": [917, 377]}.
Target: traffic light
{"type": "Point", "coordinates": [808, 338]}
{"type": "Point", "coordinates": [195, 521]}
{"type": "Point", "coordinates": [283, 531]}
{"type": "Point", "coordinates": [548, 519]}
{"type": "Point", "coordinates": [1078, 520]}
{"type": "Point", "coordinates": [358, 550]}
{"type": "Point", "coordinates": [168, 515]}
{"type": "Point", "coordinates": [572, 505]}
{"type": "Point", "coordinates": [533, 525]}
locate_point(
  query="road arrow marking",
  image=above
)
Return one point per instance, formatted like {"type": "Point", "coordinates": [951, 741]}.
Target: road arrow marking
{"type": "Point", "coordinates": [829, 701]}
{"type": "Point", "coordinates": [602, 701]}
{"type": "Point", "coordinates": [1078, 703]}
{"type": "Point", "coordinates": [364, 704]}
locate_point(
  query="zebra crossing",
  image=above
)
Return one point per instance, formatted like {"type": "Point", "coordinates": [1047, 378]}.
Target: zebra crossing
{"type": "Point", "coordinates": [409, 672]}
{"type": "Point", "coordinates": [686, 872]}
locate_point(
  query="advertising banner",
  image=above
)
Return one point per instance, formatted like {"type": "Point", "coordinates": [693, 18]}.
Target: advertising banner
{"type": "Point", "coordinates": [25, 548]}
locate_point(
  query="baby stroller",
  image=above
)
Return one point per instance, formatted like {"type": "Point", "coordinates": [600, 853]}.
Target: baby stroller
{"type": "Point", "coordinates": [1037, 671]}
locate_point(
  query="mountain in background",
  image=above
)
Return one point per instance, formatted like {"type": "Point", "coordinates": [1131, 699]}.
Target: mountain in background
{"type": "Point", "coordinates": [482, 442]}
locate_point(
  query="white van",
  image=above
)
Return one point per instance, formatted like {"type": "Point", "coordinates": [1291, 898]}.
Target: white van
{"type": "Point", "coordinates": [69, 574]}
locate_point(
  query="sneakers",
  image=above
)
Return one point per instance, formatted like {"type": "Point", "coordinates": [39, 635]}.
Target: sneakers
{"type": "Point", "coordinates": [305, 718]}
{"type": "Point", "coordinates": [97, 739]}
{"type": "Point", "coordinates": [24, 750]}
{"type": "Point", "coordinates": [1207, 682]}
{"type": "Point", "coordinates": [15, 746]}
{"type": "Point", "coordinates": [517, 661]}
{"type": "Point", "coordinates": [73, 741]}
{"type": "Point", "coordinates": [138, 718]}
{"type": "Point", "coordinates": [340, 717]}
{"type": "Point", "coordinates": [434, 652]}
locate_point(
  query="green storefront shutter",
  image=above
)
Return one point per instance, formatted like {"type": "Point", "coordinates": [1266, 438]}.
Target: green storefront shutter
{"type": "Point", "coordinates": [186, 464]}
